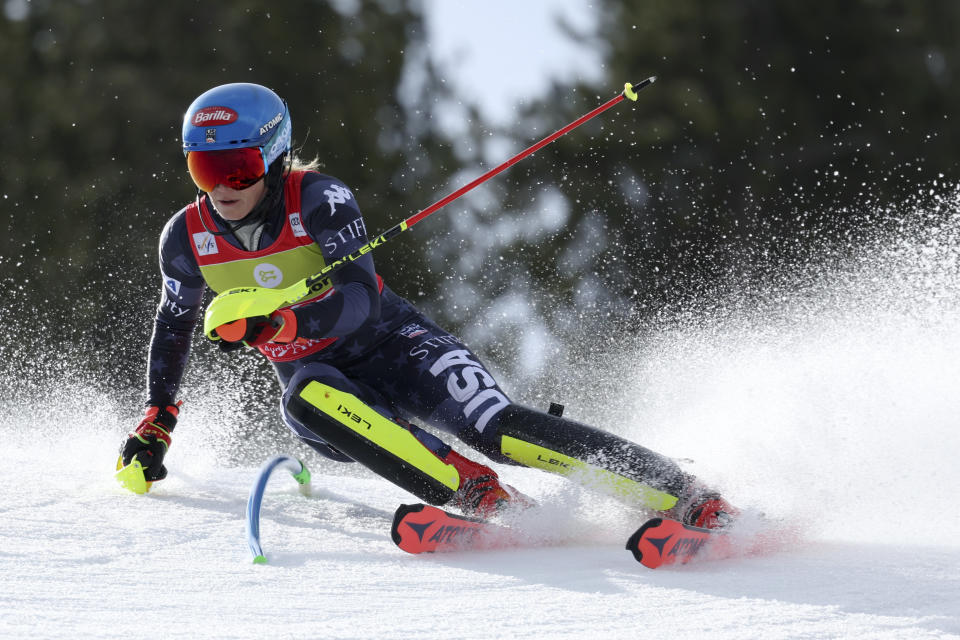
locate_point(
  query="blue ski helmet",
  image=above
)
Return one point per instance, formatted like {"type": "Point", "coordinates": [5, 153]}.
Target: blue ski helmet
{"type": "Point", "coordinates": [238, 115]}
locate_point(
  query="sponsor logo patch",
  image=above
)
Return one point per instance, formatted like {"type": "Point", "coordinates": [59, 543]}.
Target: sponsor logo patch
{"type": "Point", "coordinates": [297, 225]}
{"type": "Point", "coordinates": [172, 284]}
{"type": "Point", "coordinates": [356, 229]}
{"type": "Point", "coordinates": [270, 125]}
{"type": "Point", "coordinates": [213, 116]}
{"type": "Point", "coordinates": [471, 386]}
{"type": "Point", "coordinates": [412, 331]}
{"type": "Point", "coordinates": [686, 546]}
{"type": "Point", "coordinates": [337, 194]}
{"type": "Point", "coordinates": [281, 140]}
{"type": "Point", "coordinates": [449, 533]}
{"type": "Point", "coordinates": [267, 275]}
{"type": "Point", "coordinates": [283, 351]}
{"type": "Point", "coordinates": [205, 243]}
{"type": "Point", "coordinates": [176, 309]}
{"type": "Point", "coordinates": [422, 350]}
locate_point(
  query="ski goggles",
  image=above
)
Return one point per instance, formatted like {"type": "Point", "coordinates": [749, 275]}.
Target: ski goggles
{"type": "Point", "coordinates": [234, 168]}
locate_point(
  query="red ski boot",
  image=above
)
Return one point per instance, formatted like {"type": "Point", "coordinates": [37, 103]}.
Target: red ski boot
{"type": "Point", "coordinates": [481, 493]}
{"type": "Point", "coordinates": [706, 509]}
{"type": "Point", "coordinates": [711, 512]}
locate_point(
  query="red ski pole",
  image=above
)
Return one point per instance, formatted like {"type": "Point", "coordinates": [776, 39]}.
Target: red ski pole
{"type": "Point", "coordinates": [629, 91]}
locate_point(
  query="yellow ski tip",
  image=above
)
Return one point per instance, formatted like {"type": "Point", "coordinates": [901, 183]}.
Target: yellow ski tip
{"type": "Point", "coordinates": [131, 476]}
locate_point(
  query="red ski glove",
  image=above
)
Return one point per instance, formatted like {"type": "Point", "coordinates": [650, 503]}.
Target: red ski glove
{"type": "Point", "coordinates": [281, 326]}
{"type": "Point", "coordinates": [150, 441]}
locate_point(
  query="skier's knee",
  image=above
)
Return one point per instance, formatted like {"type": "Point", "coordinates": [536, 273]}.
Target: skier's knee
{"type": "Point", "coordinates": [379, 443]}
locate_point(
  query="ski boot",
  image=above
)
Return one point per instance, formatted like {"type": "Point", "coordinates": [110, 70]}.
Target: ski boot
{"type": "Point", "coordinates": [705, 509]}
{"type": "Point", "coordinates": [481, 493]}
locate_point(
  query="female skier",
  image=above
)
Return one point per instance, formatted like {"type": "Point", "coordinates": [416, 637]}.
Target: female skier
{"type": "Point", "coordinates": [357, 362]}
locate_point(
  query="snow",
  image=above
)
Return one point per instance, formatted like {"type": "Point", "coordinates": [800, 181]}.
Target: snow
{"type": "Point", "coordinates": [81, 557]}
{"type": "Point", "coordinates": [830, 401]}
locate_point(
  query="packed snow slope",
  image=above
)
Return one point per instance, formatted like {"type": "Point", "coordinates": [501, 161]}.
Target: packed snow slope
{"type": "Point", "coordinates": [829, 401]}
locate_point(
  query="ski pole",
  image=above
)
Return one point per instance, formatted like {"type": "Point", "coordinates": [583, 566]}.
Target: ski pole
{"type": "Point", "coordinates": [629, 91]}
{"type": "Point", "coordinates": [219, 313]}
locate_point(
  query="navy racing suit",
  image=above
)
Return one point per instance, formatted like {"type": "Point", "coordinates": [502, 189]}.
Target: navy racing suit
{"type": "Point", "coordinates": [386, 352]}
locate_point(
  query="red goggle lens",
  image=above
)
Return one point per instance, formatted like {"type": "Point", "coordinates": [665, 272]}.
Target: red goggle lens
{"type": "Point", "coordinates": [235, 168]}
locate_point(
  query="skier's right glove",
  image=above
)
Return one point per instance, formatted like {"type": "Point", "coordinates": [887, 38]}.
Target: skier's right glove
{"type": "Point", "coordinates": [279, 326]}
{"type": "Point", "coordinates": [150, 441]}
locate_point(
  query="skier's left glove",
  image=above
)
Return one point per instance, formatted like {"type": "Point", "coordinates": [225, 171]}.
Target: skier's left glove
{"type": "Point", "coordinates": [280, 326]}
{"type": "Point", "coordinates": [150, 441]}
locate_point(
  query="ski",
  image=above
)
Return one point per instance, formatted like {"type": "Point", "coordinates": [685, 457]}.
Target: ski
{"type": "Point", "coordinates": [662, 541]}
{"type": "Point", "coordinates": [421, 528]}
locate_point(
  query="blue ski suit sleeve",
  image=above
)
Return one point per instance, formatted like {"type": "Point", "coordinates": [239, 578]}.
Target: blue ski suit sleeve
{"type": "Point", "coordinates": [181, 301]}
